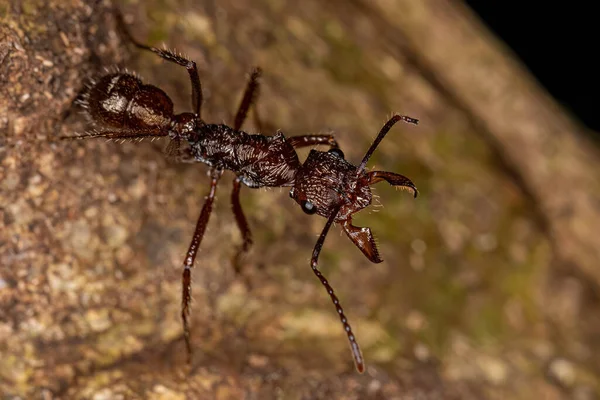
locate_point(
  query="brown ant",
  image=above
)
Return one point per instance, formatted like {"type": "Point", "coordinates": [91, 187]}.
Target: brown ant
{"type": "Point", "coordinates": [121, 107]}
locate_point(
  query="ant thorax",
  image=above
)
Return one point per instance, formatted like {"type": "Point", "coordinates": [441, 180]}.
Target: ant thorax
{"type": "Point", "coordinates": [258, 160]}
{"type": "Point", "coordinates": [326, 180]}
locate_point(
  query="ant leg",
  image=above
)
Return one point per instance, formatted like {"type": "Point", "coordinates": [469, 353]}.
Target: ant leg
{"type": "Point", "coordinates": [313, 140]}
{"type": "Point", "coordinates": [242, 224]}
{"type": "Point", "coordinates": [188, 263]}
{"type": "Point", "coordinates": [116, 135]}
{"type": "Point", "coordinates": [169, 56]}
{"type": "Point", "coordinates": [250, 95]}
{"type": "Point", "coordinates": [356, 353]}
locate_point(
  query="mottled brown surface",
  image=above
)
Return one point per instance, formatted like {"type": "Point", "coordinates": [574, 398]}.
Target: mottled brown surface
{"type": "Point", "coordinates": [488, 289]}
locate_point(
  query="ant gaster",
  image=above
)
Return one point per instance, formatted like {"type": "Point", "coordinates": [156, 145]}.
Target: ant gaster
{"type": "Point", "coordinates": [119, 106]}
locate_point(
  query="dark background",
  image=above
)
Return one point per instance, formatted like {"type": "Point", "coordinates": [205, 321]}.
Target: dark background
{"type": "Point", "coordinates": [558, 43]}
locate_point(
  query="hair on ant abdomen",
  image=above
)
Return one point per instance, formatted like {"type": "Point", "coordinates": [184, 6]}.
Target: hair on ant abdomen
{"type": "Point", "coordinates": [120, 106]}
{"type": "Point", "coordinates": [122, 102]}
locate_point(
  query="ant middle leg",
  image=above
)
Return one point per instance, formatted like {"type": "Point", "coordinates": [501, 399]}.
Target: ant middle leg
{"type": "Point", "coordinates": [172, 57]}
{"type": "Point", "coordinates": [249, 98]}
{"type": "Point", "coordinates": [313, 140]}
{"type": "Point", "coordinates": [242, 224]}
{"type": "Point", "coordinates": [188, 263]}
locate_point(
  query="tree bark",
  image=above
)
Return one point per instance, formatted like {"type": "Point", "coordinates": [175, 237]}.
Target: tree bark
{"type": "Point", "coordinates": [93, 234]}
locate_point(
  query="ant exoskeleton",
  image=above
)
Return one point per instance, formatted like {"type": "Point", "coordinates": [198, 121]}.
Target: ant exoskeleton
{"type": "Point", "coordinates": [121, 107]}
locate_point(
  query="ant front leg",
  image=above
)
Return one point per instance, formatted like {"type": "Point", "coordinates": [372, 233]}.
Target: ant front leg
{"type": "Point", "coordinates": [188, 263]}
{"type": "Point", "coordinates": [354, 347]}
{"type": "Point", "coordinates": [242, 223]}
{"type": "Point", "coordinates": [172, 57]}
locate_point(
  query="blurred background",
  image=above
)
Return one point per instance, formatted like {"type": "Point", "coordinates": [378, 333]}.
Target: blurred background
{"type": "Point", "coordinates": [551, 43]}
{"type": "Point", "coordinates": [489, 288]}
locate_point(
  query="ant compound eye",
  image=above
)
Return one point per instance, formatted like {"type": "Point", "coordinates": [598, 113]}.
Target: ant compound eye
{"type": "Point", "coordinates": [308, 207]}
{"type": "Point", "coordinates": [337, 152]}
{"type": "Point", "coordinates": [292, 192]}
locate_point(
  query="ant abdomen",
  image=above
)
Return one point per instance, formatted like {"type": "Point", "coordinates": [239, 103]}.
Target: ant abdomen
{"type": "Point", "coordinates": [122, 102]}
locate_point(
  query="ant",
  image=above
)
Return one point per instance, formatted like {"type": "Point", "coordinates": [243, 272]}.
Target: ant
{"type": "Point", "coordinates": [119, 106]}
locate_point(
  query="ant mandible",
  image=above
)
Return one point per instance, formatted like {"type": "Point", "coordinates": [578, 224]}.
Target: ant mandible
{"type": "Point", "coordinates": [119, 106]}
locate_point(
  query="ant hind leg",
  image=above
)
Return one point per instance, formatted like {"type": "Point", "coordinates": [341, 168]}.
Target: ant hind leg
{"type": "Point", "coordinates": [118, 135]}
{"type": "Point", "coordinates": [172, 57]}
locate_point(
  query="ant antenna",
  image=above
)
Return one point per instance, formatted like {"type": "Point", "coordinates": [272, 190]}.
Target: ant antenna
{"type": "Point", "coordinates": [381, 135]}
{"type": "Point", "coordinates": [354, 347]}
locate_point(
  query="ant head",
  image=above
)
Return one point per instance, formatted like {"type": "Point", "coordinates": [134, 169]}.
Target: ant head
{"type": "Point", "coordinates": [325, 181]}
{"type": "Point", "coordinates": [328, 185]}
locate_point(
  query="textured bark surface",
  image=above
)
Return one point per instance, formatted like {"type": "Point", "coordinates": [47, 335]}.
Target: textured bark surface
{"type": "Point", "coordinates": [488, 289]}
